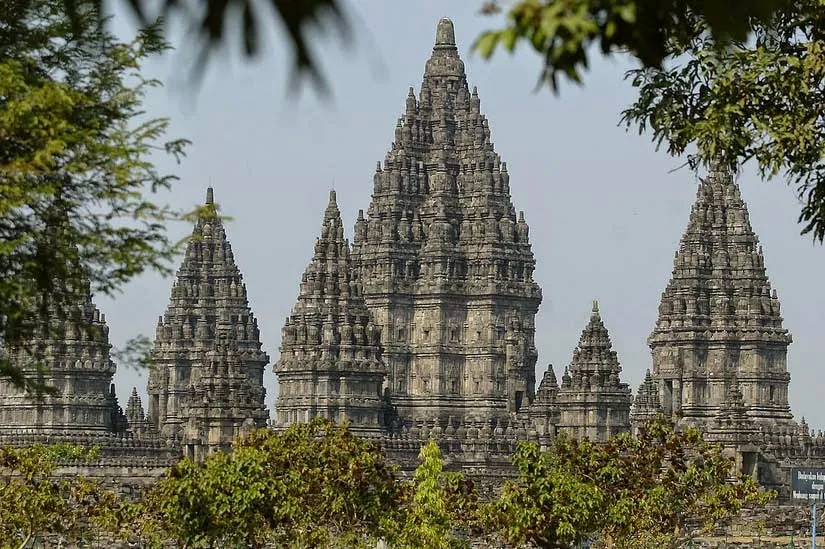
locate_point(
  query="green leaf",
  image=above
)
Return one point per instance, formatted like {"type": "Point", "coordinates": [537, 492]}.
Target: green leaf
{"type": "Point", "coordinates": [486, 44]}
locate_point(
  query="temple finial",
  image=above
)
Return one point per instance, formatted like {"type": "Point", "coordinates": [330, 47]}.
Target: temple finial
{"type": "Point", "coordinates": [445, 34]}
{"type": "Point", "coordinates": [595, 306]}
{"type": "Point", "coordinates": [332, 211]}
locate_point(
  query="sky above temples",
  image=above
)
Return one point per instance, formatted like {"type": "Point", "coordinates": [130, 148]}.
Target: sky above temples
{"type": "Point", "coordinates": [605, 209]}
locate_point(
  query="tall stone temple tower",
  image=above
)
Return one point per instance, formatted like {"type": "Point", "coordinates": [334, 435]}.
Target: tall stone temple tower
{"type": "Point", "coordinates": [592, 400]}
{"type": "Point", "coordinates": [445, 262]}
{"type": "Point", "coordinates": [206, 379]}
{"type": "Point", "coordinates": [71, 356]}
{"type": "Point", "coordinates": [719, 340]}
{"type": "Point", "coordinates": [330, 362]}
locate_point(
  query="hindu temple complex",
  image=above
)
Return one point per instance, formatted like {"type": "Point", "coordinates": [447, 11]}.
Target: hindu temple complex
{"type": "Point", "coordinates": [424, 327]}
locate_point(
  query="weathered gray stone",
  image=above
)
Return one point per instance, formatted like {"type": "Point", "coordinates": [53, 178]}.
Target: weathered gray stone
{"type": "Point", "coordinates": [71, 355]}
{"type": "Point", "coordinates": [646, 405]}
{"type": "Point", "coordinates": [719, 347]}
{"type": "Point", "coordinates": [445, 263]}
{"type": "Point", "coordinates": [719, 322]}
{"type": "Point", "coordinates": [592, 400]}
{"type": "Point", "coordinates": [331, 363]}
{"type": "Point", "coordinates": [206, 377]}
{"type": "Point", "coordinates": [424, 329]}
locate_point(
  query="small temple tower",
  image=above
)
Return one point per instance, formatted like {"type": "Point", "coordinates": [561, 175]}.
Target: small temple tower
{"type": "Point", "coordinates": [646, 405]}
{"type": "Point", "coordinates": [592, 400]}
{"type": "Point", "coordinates": [208, 338]}
{"type": "Point", "coordinates": [71, 355]}
{"type": "Point", "coordinates": [444, 258]}
{"type": "Point", "coordinates": [135, 415]}
{"type": "Point", "coordinates": [719, 329]}
{"type": "Point", "coordinates": [544, 410]}
{"type": "Point", "coordinates": [330, 363]}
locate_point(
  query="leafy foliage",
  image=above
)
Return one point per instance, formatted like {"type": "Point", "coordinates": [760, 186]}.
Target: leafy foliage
{"type": "Point", "coordinates": [438, 503]}
{"type": "Point", "coordinates": [76, 164]}
{"type": "Point", "coordinates": [761, 100]}
{"type": "Point", "coordinates": [36, 504]}
{"type": "Point", "coordinates": [209, 25]}
{"type": "Point", "coordinates": [551, 504]}
{"type": "Point", "coordinates": [564, 31]}
{"type": "Point", "coordinates": [135, 353]}
{"type": "Point", "coordinates": [632, 492]}
{"type": "Point", "coordinates": [314, 485]}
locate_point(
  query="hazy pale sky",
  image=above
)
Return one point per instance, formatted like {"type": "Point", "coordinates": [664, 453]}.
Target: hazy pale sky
{"type": "Point", "coordinates": [605, 211]}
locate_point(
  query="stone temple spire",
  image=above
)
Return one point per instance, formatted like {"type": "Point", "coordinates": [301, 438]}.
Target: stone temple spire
{"type": "Point", "coordinates": [646, 405]}
{"type": "Point", "coordinates": [719, 319]}
{"type": "Point", "coordinates": [209, 287]}
{"type": "Point", "coordinates": [444, 61]}
{"type": "Point", "coordinates": [544, 410]}
{"type": "Point", "coordinates": [134, 408]}
{"type": "Point", "coordinates": [135, 415]}
{"type": "Point", "coordinates": [735, 431]}
{"type": "Point", "coordinates": [444, 258]}
{"type": "Point", "coordinates": [549, 386]}
{"type": "Point", "coordinates": [330, 362]}
{"type": "Point", "coordinates": [594, 403]}
{"type": "Point", "coordinates": [71, 355]}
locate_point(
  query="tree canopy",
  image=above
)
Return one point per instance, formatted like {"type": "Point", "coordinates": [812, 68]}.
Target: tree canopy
{"type": "Point", "coordinates": [36, 505]}
{"type": "Point", "coordinates": [729, 82]}
{"type": "Point", "coordinates": [760, 100]}
{"type": "Point", "coordinates": [440, 506]}
{"type": "Point", "coordinates": [645, 491]}
{"type": "Point", "coordinates": [562, 31]}
{"type": "Point", "coordinates": [313, 485]}
{"type": "Point", "coordinates": [77, 165]}
{"type": "Point", "coordinates": [210, 24]}
{"type": "Point", "coordinates": [317, 485]}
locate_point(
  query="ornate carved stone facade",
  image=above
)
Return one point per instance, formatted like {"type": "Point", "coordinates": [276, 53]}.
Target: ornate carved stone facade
{"type": "Point", "coordinates": [592, 401]}
{"type": "Point", "coordinates": [71, 355]}
{"type": "Point", "coordinates": [330, 361]}
{"type": "Point", "coordinates": [444, 261]}
{"type": "Point", "coordinates": [445, 269]}
{"type": "Point", "coordinates": [719, 323]}
{"type": "Point", "coordinates": [206, 376]}
{"type": "Point", "coordinates": [544, 411]}
{"type": "Point", "coordinates": [719, 347]}
{"type": "Point", "coordinates": [646, 404]}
